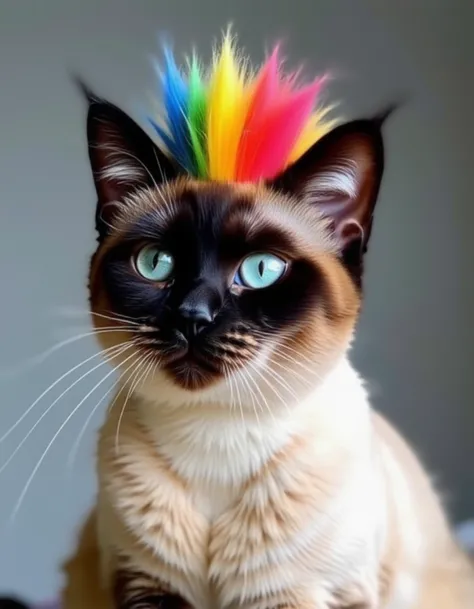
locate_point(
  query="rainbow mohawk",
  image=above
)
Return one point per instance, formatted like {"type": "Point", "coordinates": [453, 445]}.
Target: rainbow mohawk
{"type": "Point", "coordinates": [236, 126]}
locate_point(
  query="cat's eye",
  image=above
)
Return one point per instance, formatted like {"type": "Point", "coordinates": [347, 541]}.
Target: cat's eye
{"type": "Point", "coordinates": [260, 271]}
{"type": "Point", "coordinates": [154, 264]}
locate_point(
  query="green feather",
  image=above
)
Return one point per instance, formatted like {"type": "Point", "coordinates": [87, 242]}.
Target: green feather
{"type": "Point", "coordinates": [197, 118]}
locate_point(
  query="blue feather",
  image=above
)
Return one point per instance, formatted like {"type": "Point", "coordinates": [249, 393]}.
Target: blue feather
{"type": "Point", "coordinates": [165, 137]}
{"type": "Point", "coordinates": [175, 100]}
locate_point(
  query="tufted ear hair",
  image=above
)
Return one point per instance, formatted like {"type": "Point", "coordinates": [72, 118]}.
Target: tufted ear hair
{"type": "Point", "coordinates": [341, 174]}
{"type": "Point", "coordinates": [123, 157]}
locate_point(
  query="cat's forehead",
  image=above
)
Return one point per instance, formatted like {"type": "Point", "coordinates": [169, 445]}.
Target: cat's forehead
{"type": "Point", "coordinates": [198, 202]}
{"type": "Point", "coordinates": [249, 211]}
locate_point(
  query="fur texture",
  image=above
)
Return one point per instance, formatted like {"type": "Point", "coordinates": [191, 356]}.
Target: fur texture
{"type": "Point", "coordinates": [240, 465]}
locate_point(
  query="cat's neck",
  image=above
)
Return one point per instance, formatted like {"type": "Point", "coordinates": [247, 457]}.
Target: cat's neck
{"type": "Point", "coordinates": [211, 443]}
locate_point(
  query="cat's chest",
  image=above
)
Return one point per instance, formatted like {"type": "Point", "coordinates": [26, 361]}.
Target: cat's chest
{"type": "Point", "coordinates": [215, 461]}
{"type": "Point", "coordinates": [212, 499]}
{"type": "Point", "coordinates": [221, 501]}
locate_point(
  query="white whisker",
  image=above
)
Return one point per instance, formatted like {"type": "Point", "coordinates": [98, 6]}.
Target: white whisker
{"type": "Point", "coordinates": [75, 447]}
{"type": "Point", "coordinates": [121, 349]}
{"type": "Point", "coordinates": [239, 398]}
{"type": "Point", "coordinates": [244, 376]}
{"type": "Point", "coordinates": [113, 317]}
{"type": "Point", "coordinates": [280, 380]}
{"type": "Point", "coordinates": [52, 386]}
{"type": "Point", "coordinates": [269, 336]}
{"type": "Point", "coordinates": [41, 357]}
{"type": "Point", "coordinates": [228, 379]}
{"type": "Point", "coordinates": [43, 456]}
{"type": "Point", "coordinates": [231, 383]}
{"type": "Point", "coordinates": [265, 380]}
{"type": "Point", "coordinates": [257, 387]}
{"type": "Point", "coordinates": [293, 372]}
{"type": "Point", "coordinates": [133, 384]}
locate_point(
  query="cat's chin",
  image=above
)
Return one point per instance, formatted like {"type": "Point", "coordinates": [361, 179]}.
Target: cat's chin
{"type": "Point", "coordinates": [192, 374]}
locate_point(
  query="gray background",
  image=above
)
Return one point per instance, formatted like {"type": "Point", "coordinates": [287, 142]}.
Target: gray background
{"type": "Point", "coordinates": [416, 338]}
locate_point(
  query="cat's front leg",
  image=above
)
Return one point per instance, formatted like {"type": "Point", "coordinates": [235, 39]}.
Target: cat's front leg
{"type": "Point", "coordinates": [359, 595]}
{"type": "Point", "coordinates": [324, 601]}
{"type": "Point", "coordinates": [137, 590]}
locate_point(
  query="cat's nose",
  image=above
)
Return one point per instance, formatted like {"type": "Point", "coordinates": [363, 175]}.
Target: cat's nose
{"type": "Point", "coordinates": [195, 318]}
{"type": "Point", "coordinates": [198, 310]}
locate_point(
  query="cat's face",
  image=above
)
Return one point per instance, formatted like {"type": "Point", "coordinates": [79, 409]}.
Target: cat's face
{"type": "Point", "coordinates": [228, 289]}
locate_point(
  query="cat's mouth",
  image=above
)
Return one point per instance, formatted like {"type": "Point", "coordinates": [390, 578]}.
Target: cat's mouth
{"type": "Point", "coordinates": [190, 365]}
{"type": "Point", "coordinates": [197, 362]}
{"type": "Point", "coordinates": [189, 356]}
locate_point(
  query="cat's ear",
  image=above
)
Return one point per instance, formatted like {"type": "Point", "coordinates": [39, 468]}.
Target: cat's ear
{"type": "Point", "coordinates": [341, 174]}
{"type": "Point", "coordinates": [123, 157]}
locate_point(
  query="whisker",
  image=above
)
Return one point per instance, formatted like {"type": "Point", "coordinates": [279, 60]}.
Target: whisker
{"type": "Point", "coordinates": [265, 380]}
{"type": "Point", "coordinates": [43, 456]}
{"type": "Point", "coordinates": [262, 395]}
{"type": "Point", "coordinates": [290, 350]}
{"type": "Point", "coordinates": [115, 315]}
{"type": "Point", "coordinates": [75, 448]}
{"type": "Point", "coordinates": [162, 175]}
{"type": "Point", "coordinates": [122, 388]}
{"type": "Point", "coordinates": [137, 377]}
{"type": "Point", "coordinates": [292, 360]}
{"type": "Point", "coordinates": [281, 381]}
{"type": "Point", "coordinates": [228, 379]}
{"type": "Point", "coordinates": [36, 360]}
{"type": "Point", "coordinates": [293, 372]}
{"type": "Point", "coordinates": [253, 397]}
{"type": "Point", "coordinates": [52, 386]}
{"type": "Point", "coordinates": [120, 318]}
{"type": "Point", "coordinates": [284, 351]}
{"type": "Point", "coordinates": [255, 410]}
{"type": "Point", "coordinates": [228, 368]}
{"type": "Point", "coordinates": [55, 401]}
{"type": "Point", "coordinates": [268, 336]}
{"type": "Point", "coordinates": [153, 364]}
{"type": "Point", "coordinates": [239, 398]}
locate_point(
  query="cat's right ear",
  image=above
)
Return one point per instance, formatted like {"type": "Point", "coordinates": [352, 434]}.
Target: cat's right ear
{"type": "Point", "coordinates": [123, 157]}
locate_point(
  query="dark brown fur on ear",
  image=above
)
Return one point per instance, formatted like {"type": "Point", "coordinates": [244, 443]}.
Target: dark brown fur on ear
{"type": "Point", "coordinates": [383, 115]}
{"type": "Point", "coordinates": [84, 89]}
{"type": "Point", "coordinates": [123, 157]}
{"type": "Point", "coordinates": [341, 175]}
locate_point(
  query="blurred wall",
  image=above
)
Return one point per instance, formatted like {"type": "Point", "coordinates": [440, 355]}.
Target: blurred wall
{"type": "Point", "coordinates": [415, 342]}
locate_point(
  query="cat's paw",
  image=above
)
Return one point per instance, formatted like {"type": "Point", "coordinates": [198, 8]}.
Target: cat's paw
{"type": "Point", "coordinates": [361, 594]}
{"type": "Point", "coordinates": [136, 590]}
{"type": "Point", "coordinates": [154, 601]}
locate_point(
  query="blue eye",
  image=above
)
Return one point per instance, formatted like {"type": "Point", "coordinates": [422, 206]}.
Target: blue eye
{"type": "Point", "coordinates": [260, 271]}
{"type": "Point", "coordinates": [154, 264]}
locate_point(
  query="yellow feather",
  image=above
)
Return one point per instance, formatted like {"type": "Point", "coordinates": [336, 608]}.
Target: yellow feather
{"type": "Point", "coordinates": [228, 102]}
{"type": "Point", "coordinates": [315, 129]}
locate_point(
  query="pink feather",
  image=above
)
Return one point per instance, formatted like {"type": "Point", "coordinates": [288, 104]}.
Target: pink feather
{"type": "Point", "coordinates": [273, 133]}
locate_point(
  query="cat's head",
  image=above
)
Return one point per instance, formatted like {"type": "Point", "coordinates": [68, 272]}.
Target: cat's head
{"type": "Point", "coordinates": [221, 290]}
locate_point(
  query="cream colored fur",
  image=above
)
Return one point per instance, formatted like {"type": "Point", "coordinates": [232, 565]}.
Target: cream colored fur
{"type": "Point", "coordinates": [313, 504]}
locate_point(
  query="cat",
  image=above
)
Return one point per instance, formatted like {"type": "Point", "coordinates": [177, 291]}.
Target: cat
{"type": "Point", "coordinates": [240, 465]}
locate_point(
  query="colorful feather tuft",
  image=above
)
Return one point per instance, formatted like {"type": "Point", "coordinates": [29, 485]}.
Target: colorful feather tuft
{"type": "Point", "coordinates": [234, 125]}
{"type": "Point", "coordinates": [197, 116]}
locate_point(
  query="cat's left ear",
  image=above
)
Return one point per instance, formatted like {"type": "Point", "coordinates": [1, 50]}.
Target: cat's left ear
{"type": "Point", "coordinates": [123, 158]}
{"type": "Point", "coordinates": [341, 174]}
